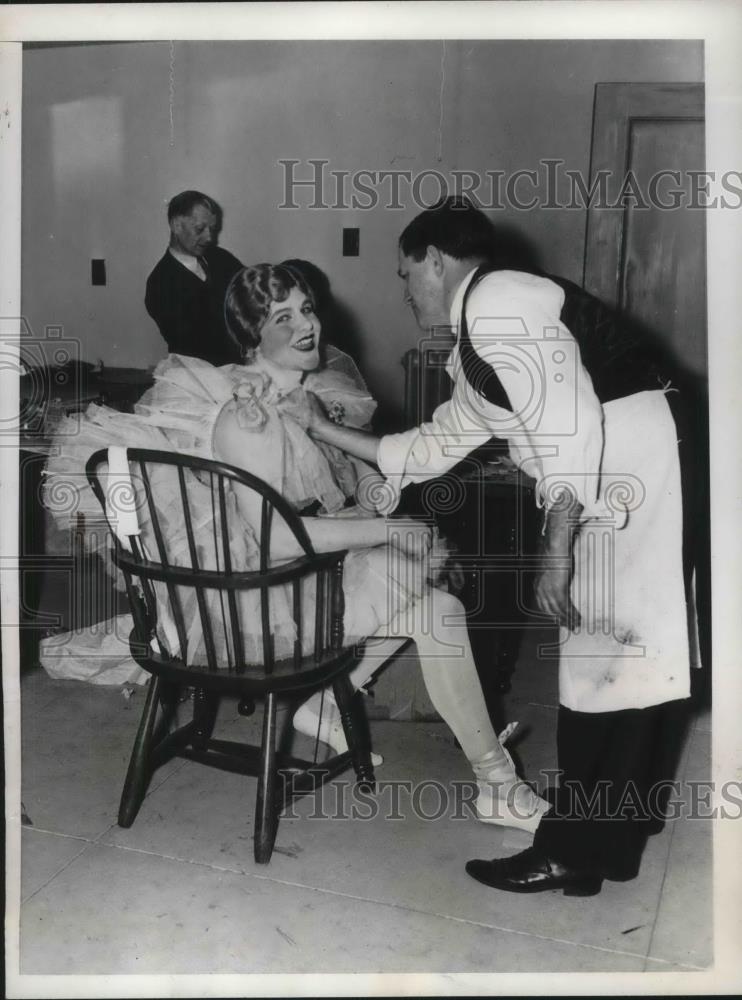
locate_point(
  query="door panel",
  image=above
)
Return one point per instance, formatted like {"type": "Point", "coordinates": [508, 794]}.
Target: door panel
{"type": "Point", "coordinates": [647, 259]}
{"type": "Point", "coordinates": [663, 279]}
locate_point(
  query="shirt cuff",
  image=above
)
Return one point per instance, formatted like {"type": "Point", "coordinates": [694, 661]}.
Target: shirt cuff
{"type": "Point", "coordinates": [550, 493]}
{"type": "Point", "coordinates": [391, 457]}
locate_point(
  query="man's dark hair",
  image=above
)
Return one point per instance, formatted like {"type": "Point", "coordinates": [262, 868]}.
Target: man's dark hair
{"type": "Point", "coordinates": [184, 203]}
{"type": "Point", "coordinates": [454, 226]}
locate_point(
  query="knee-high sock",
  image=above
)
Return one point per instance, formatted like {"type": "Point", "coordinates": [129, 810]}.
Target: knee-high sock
{"type": "Point", "coordinates": [437, 624]}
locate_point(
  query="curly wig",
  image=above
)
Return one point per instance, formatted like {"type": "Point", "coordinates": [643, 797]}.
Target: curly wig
{"type": "Point", "coordinates": [250, 295]}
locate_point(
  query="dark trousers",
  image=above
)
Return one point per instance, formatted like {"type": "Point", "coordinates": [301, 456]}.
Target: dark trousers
{"type": "Point", "coordinates": [612, 765]}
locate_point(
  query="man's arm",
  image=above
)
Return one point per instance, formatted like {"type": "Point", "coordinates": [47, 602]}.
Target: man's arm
{"type": "Point", "coordinates": [552, 588]}
{"type": "Point", "coordinates": [420, 453]}
{"type": "Point", "coordinates": [360, 444]}
{"type": "Point", "coordinates": [412, 456]}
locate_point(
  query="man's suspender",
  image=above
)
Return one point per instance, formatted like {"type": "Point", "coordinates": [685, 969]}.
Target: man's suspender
{"type": "Point", "coordinates": [480, 375]}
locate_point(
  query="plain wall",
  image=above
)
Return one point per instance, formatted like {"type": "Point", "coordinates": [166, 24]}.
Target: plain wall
{"type": "Point", "coordinates": [105, 147]}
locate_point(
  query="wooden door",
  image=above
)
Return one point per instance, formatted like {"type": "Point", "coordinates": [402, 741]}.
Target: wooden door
{"type": "Point", "coordinates": [645, 256]}
{"type": "Point", "coordinates": [648, 259]}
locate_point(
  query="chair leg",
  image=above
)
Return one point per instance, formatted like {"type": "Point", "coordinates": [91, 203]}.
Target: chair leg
{"type": "Point", "coordinates": [169, 704]}
{"type": "Point", "coordinates": [356, 732]}
{"type": "Point", "coordinates": [266, 806]}
{"type": "Point", "coordinates": [140, 771]}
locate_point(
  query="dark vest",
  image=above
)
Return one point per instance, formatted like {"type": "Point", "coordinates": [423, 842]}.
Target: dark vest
{"type": "Point", "coordinates": [610, 349]}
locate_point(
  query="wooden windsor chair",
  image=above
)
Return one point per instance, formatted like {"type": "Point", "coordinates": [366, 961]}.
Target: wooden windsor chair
{"type": "Point", "coordinates": [188, 605]}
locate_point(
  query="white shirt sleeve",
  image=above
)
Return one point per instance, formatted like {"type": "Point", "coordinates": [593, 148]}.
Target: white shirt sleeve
{"type": "Point", "coordinates": [555, 429]}
{"type": "Point", "coordinates": [555, 426]}
{"type": "Point", "coordinates": [433, 447]}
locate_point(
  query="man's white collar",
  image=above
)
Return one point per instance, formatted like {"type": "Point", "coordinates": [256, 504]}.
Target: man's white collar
{"type": "Point", "coordinates": [458, 298]}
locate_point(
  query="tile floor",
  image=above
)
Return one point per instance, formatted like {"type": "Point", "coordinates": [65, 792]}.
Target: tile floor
{"type": "Point", "coordinates": [179, 892]}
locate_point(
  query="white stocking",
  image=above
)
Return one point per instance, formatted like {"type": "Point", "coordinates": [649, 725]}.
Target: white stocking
{"type": "Point", "coordinates": [437, 624]}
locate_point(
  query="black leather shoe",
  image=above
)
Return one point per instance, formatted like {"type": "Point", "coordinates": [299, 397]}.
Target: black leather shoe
{"type": "Point", "coordinates": [531, 871]}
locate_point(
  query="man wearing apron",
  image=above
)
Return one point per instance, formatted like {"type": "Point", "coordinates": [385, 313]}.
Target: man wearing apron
{"type": "Point", "coordinates": [607, 475]}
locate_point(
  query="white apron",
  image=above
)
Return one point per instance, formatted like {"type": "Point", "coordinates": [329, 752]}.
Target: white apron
{"type": "Point", "coordinates": [631, 649]}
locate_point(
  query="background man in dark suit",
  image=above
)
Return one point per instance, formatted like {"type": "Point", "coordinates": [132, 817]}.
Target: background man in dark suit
{"type": "Point", "coordinates": [185, 291]}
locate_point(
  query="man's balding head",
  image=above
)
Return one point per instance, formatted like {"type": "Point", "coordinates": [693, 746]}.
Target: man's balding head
{"type": "Point", "coordinates": [195, 220]}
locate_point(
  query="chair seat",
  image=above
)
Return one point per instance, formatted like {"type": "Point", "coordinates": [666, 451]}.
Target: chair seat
{"type": "Point", "coordinates": [252, 679]}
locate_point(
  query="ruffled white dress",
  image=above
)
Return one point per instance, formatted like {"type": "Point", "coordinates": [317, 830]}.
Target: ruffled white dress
{"type": "Point", "coordinates": [180, 413]}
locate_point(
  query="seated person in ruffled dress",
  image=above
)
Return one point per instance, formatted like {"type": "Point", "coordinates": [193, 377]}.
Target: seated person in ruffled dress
{"type": "Point", "coordinates": [255, 416]}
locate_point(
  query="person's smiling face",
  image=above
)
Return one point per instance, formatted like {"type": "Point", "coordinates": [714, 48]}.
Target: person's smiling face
{"type": "Point", "coordinates": [290, 335]}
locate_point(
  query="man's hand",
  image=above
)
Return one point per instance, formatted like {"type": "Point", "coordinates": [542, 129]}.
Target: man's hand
{"type": "Point", "coordinates": [301, 406]}
{"type": "Point", "coordinates": [359, 444]}
{"type": "Point", "coordinates": [315, 416]}
{"type": "Point", "coordinates": [551, 589]}
{"type": "Point", "coordinates": [552, 596]}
